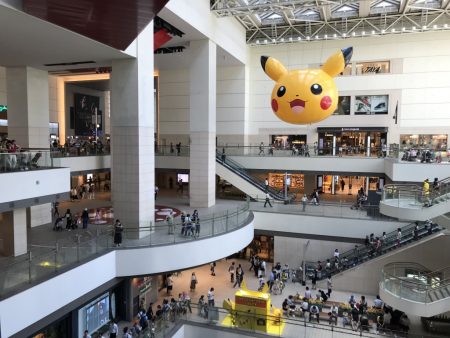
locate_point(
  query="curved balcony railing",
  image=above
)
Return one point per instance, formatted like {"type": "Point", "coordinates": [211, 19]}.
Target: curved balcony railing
{"type": "Point", "coordinates": [413, 195]}
{"type": "Point", "coordinates": [44, 262]}
{"type": "Point", "coordinates": [414, 282]}
{"type": "Point", "coordinates": [363, 253]}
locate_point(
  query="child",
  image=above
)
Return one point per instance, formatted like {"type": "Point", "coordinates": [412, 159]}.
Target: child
{"type": "Point", "coordinates": [261, 282]}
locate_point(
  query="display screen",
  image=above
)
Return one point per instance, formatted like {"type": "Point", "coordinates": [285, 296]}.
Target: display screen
{"type": "Point", "coordinates": [97, 314]}
{"type": "Point", "coordinates": [183, 177]}
{"type": "Point", "coordinates": [343, 107]}
{"type": "Point", "coordinates": [371, 104]}
{"type": "Point", "coordinates": [88, 117]}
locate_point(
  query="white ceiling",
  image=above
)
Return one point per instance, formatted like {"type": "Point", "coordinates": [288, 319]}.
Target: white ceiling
{"type": "Point", "coordinates": [29, 41]}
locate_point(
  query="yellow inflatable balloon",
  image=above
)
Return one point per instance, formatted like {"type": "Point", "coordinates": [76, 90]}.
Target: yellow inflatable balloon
{"type": "Point", "coordinates": [305, 96]}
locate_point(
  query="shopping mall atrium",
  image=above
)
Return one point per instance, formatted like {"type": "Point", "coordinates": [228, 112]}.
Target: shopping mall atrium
{"type": "Point", "coordinates": [224, 168]}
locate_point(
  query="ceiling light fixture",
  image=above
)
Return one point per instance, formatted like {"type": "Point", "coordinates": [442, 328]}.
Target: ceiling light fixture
{"type": "Point", "coordinates": [353, 33]}
{"type": "Point", "coordinates": [445, 25]}
{"type": "Point", "coordinates": [290, 39]}
{"type": "Point", "coordinates": [307, 38]}
{"type": "Point", "coordinates": [383, 31]}
{"type": "Point", "coordinates": [317, 37]}
{"type": "Point", "coordinates": [434, 26]}
{"type": "Point", "coordinates": [414, 28]}
{"type": "Point", "coordinates": [403, 29]}
{"type": "Point", "coordinates": [373, 32]}
{"type": "Point", "coordinates": [363, 33]}
{"type": "Point", "coordinates": [299, 38]}
{"type": "Point", "coordinates": [344, 34]}
{"type": "Point", "coordinates": [335, 35]}
{"type": "Point", "coordinates": [282, 39]}
{"type": "Point", "coordinates": [257, 42]}
{"type": "Point", "coordinates": [424, 27]}
{"type": "Point", "coordinates": [273, 40]}
{"type": "Point", "coordinates": [265, 41]}
{"type": "Point", "coordinates": [393, 30]}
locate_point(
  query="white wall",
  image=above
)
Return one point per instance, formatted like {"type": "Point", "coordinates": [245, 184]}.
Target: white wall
{"type": "Point", "coordinates": [83, 163]}
{"type": "Point", "coordinates": [3, 86]}
{"type": "Point", "coordinates": [420, 84]}
{"type": "Point", "coordinates": [34, 183]}
{"type": "Point", "coordinates": [323, 226]}
{"type": "Point", "coordinates": [293, 251]}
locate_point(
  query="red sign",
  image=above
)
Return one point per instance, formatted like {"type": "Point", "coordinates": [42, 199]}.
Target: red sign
{"type": "Point", "coordinates": [251, 302]}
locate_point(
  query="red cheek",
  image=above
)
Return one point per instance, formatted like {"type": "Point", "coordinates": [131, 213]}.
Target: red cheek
{"type": "Point", "coordinates": [274, 105]}
{"type": "Point", "coordinates": [325, 103]}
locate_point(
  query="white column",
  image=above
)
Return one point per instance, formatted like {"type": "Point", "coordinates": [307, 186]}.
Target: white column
{"type": "Point", "coordinates": [13, 232]}
{"type": "Point", "coordinates": [202, 188]}
{"type": "Point", "coordinates": [132, 135]}
{"type": "Point", "coordinates": [28, 119]}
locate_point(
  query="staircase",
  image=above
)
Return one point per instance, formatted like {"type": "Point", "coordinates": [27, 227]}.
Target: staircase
{"type": "Point", "coordinates": [238, 176]}
{"type": "Point", "coordinates": [365, 253]}
{"type": "Point", "coordinates": [410, 202]}
{"type": "Point", "coordinates": [412, 288]}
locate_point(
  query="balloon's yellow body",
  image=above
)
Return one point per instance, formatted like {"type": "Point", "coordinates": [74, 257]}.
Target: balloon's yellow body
{"type": "Point", "coordinates": [307, 95]}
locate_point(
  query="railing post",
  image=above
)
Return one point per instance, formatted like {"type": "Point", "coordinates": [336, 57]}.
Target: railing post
{"type": "Point", "coordinates": [56, 256]}
{"type": "Point", "coordinates": [78, 248]}
{"type": "Point", "coordinates": [226, 222]}
{"type": "Point", "coordinates": [212, 225]}
{"type": "Point", "coordinates": [29, 266]}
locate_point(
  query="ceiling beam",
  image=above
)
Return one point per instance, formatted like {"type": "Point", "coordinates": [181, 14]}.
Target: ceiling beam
{"type": "Point", "coordinates": [404, 6]}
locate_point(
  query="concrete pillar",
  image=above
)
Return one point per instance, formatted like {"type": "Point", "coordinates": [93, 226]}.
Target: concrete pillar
{"type": "Point", "coordinates": [28, 119]}
{"type": "Point", "coordinates": [202, 188]}
{"type": "Point", "coordinates": [132, 135]}
{"type": "Point", "coordinates": [13, 232]}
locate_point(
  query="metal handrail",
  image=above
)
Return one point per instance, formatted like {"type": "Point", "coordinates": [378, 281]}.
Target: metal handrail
{"type": "Point", "coordinates": [364, 251]}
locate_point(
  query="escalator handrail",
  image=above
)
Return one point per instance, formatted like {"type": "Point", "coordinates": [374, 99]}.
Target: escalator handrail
{"type": "Point", "coordinates": [239, 170]}
{"type": "Point", "coordinates": [391, 237]}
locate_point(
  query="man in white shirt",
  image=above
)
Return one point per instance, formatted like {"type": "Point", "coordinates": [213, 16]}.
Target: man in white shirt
{"type": "Point", "coordinates": [308, 293]}
{"type": "Point", "coordinates": [211, 297]}
{"type": "Point", "coordinates": [266, 183]}
{"type": "Point", "coordinates": [304, 202]}
{"type": "Point", "coordinates": [378, 303]}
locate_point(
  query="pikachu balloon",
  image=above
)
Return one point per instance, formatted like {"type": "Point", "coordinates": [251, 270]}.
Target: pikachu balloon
{"type": "Point", "coordinates": [305, 96]}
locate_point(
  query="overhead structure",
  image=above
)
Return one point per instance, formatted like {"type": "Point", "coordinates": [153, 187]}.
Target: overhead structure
{"type": "Point", "coordinates": [284, 21]}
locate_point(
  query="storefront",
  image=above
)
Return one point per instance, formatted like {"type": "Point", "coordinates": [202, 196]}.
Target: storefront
{"type": "Point", "coordinates": [362, 141]}
{"type": "Point", "coordinates": [348, 185]}
{"type": "Point", "coordinates": [430, 141]}
{"type": "Point", "coordinates": [287, 141]}
{"type": "Point", "coordinates": [295, 181]}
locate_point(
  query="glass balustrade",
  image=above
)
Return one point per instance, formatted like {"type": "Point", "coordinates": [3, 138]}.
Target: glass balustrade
{"type": "Point", "coordinates": [25, 160]}
{"type": "Point", "coordinates": [44, 262]}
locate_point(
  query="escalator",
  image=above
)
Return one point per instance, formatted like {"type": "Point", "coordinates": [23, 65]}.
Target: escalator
{"type": "Point", "coordinates": [412, 288]}
{"type": "Point", "coordinates": [238, 176]}
{"type": "Point", "coordinates": [365, 253]}
{"type": "Point", "coordinates": [411, 202]}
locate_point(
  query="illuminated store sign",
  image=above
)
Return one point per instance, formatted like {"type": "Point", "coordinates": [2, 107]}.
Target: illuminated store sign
{"type": "Point", "coordinates": [3, 108]}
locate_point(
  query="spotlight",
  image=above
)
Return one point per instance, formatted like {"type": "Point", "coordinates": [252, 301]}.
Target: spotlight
{"type": "Point", "coordinates": [424, 27]}
{"type": "Point", "coordinates": [299, 38]}
{"type": "Point", "coordinates": [363, 33]}
{"type": "Point", "coordinates": [273, 40]}
{"type": "Point", "coordinates": [445, 25]}
{"type": "Point", "coordinates": [307, 38]}
{"type": "Point", "coordinates": [282, 40]}
{"type": "Point", "coordinates": [383, 31]}
{"type": "Point", "coordinates": [403, 29]}
{"type": "Point", "coordinates": [393, 30]}
{"type": "Point", "coordinates": [344, 34]}
{"type": "Point", "coordinates": [373, 32]}
{"type": "Point", "coordinates": [434, 26]}
{"type": "Point", "coordinates": [265, 41]}
{"type": "Point", "coordinates": [325, 36]}
{"type": "Point", "coordinates": [257, 42]}
{"type": "Point", "coordinates": [290, 39]}
{"type": "Point", "coordinates": [317, 37]}
{"type": "Point", "coordinates": [334, 35]}
{"type": "Point", "coordinates": [414, 28]}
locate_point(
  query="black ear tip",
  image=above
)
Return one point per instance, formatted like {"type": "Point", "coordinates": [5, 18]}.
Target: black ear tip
{"type": "Point", "coordinates": [347, 52]}
{"type": "Point", "coordinates": [263, 61]}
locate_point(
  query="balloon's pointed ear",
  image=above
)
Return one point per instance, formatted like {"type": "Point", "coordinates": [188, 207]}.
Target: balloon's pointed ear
{"type": "Point", "coordinates": [273, 67]}
{"type": "Point", "coordinates": [337, 62]}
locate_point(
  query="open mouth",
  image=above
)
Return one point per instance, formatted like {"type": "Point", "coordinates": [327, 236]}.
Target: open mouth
{"type": "Point", "coordinates": [297, 106]}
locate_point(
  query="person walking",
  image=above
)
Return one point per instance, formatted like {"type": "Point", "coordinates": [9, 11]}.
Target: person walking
{"type": "Point", "coordinates": [68, 217]}
{"type": "Point", "coordinates": [266, 184]}
{"type": "Point", "coordinates": [239, 276]}
{"type": "Point", "coordinates": [169, 285]}
{"type": "Point", "coordinates": [342, 184]}
{"type": "Point", "coordinates": [85, 218]}
{"type": "Point", "coordinates": [329, 286]}
{"type": "Point", "coordinates": [118, 229]}
{"type": "Point", "coordinates": [267, 200]}
{"type": "Point", "coordinates": [304, 202]}
{"type": "Point", "coordinates": [261, 149]}
{"type": "Point", "coordinates": [55, 209]}
{"type": "Point", "coordinates": [180, 186]}
{"type": "Point", "coordinates": [86, 334]}
{"type": "Point", "coordinates": [426, 193]}
{"type": "Point", "coordinates": [212, 268]}
{"type": "Point", "coordinates": [113, 330]}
